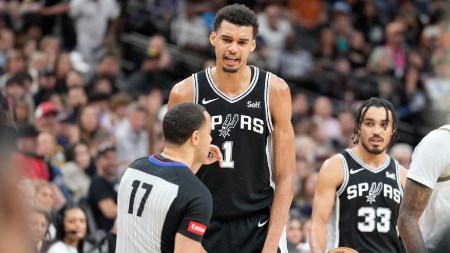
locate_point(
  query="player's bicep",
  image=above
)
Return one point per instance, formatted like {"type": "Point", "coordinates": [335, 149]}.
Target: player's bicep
{"type": "Point", "coordinates": [185, 244]}
{"type": "Point", "coordinates": [330, 178]}
{"type": "Point", "coordinates": [415, 199]}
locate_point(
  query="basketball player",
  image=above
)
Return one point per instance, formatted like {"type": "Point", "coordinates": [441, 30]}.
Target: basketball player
{"type": "Point", "coordinates": [162, 205]}
{"type": "Point", "coordinates": [428, 183]}
{"type": "Point", "coordinates": [359, 191]}
{"type": "Point", "coordinates": [251, 120]}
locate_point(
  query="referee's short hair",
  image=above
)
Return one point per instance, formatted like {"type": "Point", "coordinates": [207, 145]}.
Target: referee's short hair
{"type": "Point", "coordinates": [181, 121]}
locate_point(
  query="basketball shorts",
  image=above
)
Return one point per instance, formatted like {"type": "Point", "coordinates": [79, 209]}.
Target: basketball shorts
{"type": "Point", "coordinates": [245, 235]}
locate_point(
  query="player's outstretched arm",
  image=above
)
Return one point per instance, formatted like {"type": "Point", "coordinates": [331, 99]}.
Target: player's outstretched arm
{"type": "Point", "coordinates": [331, 176]}
{"type": "Point", "coordinates": [284, 161]}
{"type": "Point", "coordinates": [181, 92]}
{"type": "Point", "coordinates": [415, 199]}
{"type": "Point", "coordinates": [184, 244]}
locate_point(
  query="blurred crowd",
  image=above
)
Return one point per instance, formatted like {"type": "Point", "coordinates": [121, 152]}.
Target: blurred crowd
{"type": "Point", "coordinates": [85, 102]}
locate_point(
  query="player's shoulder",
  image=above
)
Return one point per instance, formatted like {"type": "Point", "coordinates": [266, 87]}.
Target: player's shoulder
{"type": "Point", "coordinates": [278, 84]}
{"type": "Point", "coordinates": [333, 169]}
{"type": "Point", "coordinates": [182, 91]}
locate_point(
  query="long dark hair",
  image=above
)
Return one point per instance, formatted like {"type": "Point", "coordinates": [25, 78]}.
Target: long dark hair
{"type": "Point", "coordinates": [59, 223]}
{"type": "Point", "coordinates": [376, 102]}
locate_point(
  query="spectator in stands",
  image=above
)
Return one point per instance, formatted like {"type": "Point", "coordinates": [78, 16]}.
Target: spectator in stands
{"type": "Point", "coordinates": [71, 228]}
{"type": "Point", "coordinates": [34, 167]}
{"type": "Point", "coordinates": [132, 137]}
{"type": "Point", "coordinates": [22, 114]}
{"type": "Point", "coordinates": [78, 171]}
{"type": "Point", "coordinates": [274, 28]}
{"type": "Point", "coordinates": [88, 124]}
{"type": "Point", "coordinates": [95, 24]}
{"type": "Point", "coordinates": [46, 196]}
{"type": "Point", "coordinates": [294, 234]}
{"type": "Point", "coordinates": [62, 67]}
{"type": "Point", "coordinates": [102, 194]}
{"type": "Point", "coordinates": [118, 113]}
{"type": "Point", "coordinates": [323, 117]}
{"type": "Point", "coordinates": [46, 82]}
{"type": "Point", "coordinates": [153, 73]}
{"type": "Point", "coordinates": [46, 115]}
{"type": "Point", "coordinates": [109, 67]}
{"type": "Point", "coordinates": [188, 30]}
{"type": "Point", "coordinates": [394, 51]}
{"type": "Point", "coordinates": [39, 223]}
{"type": "Point", "coordinates": [295, 62]}
{"type": "Point", "coordinates": [402, 152]}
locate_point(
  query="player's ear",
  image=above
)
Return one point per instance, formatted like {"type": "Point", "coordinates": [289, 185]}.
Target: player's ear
{"type": "Point", "coordinates": [252, 45]}
{"type": "Point", "coordinates": [212, 38]}
{"type": "Point", "coordinates": [195, 137]}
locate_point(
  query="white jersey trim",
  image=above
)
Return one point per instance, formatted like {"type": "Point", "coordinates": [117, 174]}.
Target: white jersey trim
{"type": "Point", "coordinates": [269, 155]}
{"type": "Point", "coordinates": [267, 102]}
{"type": "Point", "coordinates": [346, 177]}
{"type": "Point", "coordinates": [195, 83]}
{"type": "Point", "coordinates": [367, 167]}
{"type": "Point", "coordinates": [240, 96]}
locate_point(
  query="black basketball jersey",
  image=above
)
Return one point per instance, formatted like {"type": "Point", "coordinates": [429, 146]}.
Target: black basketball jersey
{"type": "Point", "coordinates": [241, 127]}
{"type": "Point", "coordinates": [158, 198]}
{"type": "Point", "coordinates": [367, 206]}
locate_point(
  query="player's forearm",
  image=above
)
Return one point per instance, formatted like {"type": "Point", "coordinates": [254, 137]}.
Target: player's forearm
{"type": "Point", "coordinates": [318, 237]}
{"type": "Point", "coordinates": [411, 235]}
{"type": "Point", "coordinates": [284, 192]}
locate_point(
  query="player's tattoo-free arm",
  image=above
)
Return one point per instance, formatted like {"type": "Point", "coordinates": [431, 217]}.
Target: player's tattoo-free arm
{"type": "Point", "coordinates": [181, 92]}
{"type": "Point", "coordinates": [331, 176]}
{"type": "Point", "coordinates": [415, 199]}
{"type": "Point", "coordinates": [284, 161]}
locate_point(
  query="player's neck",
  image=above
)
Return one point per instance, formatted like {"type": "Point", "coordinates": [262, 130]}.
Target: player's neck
{"type": "Point", "coordinates": [373, 160]}
{"type": "Point", "coordinates": [231, 84]}
{"type": "Point", "coordinates": [178, 154]}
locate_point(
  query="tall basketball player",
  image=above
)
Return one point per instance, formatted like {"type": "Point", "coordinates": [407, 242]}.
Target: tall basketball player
{"type": "Point", "coordinates": [427, 195]}
{"type": "Point", "coordinates": [359, 191]}
{"type": "Point", "coordinates": [251, 122]}
{"type": "Point", "coordinates": [162, 206]}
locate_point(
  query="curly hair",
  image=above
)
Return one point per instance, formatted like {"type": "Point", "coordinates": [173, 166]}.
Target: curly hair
{"type": "Point", "coordinates": [237, 14]}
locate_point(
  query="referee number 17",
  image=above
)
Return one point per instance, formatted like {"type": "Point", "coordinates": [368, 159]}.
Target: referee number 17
{"type": "Point", "coordinates": [147, 188]}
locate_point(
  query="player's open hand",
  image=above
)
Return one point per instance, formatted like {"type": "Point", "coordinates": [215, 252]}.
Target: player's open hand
{"type": "Point", "coordinates": [214, 155]}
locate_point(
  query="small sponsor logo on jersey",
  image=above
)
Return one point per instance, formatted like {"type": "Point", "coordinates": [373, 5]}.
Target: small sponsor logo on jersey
{"type": "Point", "coordinates": [390, 175]}
{"type": "Point", "coordinates": [261, 224]}
{"type": "Point", "coordinates": [256, 104]}
{"type": "Point", "coordinates": [196, 228]}
{"type": "Point", "coordinates": [204, 101]}
{"type": "Point", "coordinates": [228, 124]}
{"type": "Point", "coordinates": [375, 189]}
{"type": "Point", "coordinates": [353, 171]}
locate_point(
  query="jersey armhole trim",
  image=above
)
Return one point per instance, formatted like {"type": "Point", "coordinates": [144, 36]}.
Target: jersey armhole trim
{"type": "Point", "coordinates": [399, 181]}
{"type": "Point", "coordinates": [346, 177]}
{"type": "Point", "coordinates": [267, 102]}
{"type": "Point", "coordinates": [195, 84]}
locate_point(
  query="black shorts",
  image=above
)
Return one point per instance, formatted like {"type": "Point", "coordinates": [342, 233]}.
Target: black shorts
{"type": "Point", "coordinates": [245, 235]}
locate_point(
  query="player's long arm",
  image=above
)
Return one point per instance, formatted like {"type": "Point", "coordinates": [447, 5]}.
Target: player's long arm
{"type": "Point", "coordinates": [415, 200]}
{"type": "Point", "coordinates": [284, 159]}
{"type": "Point", "coordinates": [330, 178]}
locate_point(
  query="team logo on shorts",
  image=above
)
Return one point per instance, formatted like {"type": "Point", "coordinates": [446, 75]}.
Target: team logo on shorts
{"type": "Point", "coordinates": [374, 191]}
{"type": "Point", "coordinates": [228, 124]}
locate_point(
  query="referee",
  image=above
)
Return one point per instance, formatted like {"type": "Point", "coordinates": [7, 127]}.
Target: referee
{"type": "Point", "coordinates": [162, 205]}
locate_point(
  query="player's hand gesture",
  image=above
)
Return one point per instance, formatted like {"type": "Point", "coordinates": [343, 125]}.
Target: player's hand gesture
{"type": "Point", "coordinates": [214, 155]}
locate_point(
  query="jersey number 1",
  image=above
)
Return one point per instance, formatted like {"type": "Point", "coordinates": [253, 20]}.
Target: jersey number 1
{"type": "Point", "coordinates": [147, 188]}
{"type": "Point", "coordinates": [228, 155]}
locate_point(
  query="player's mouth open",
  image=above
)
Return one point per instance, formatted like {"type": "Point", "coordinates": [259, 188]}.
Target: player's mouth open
{"type": "Point", "coordinates": [231, 60]}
